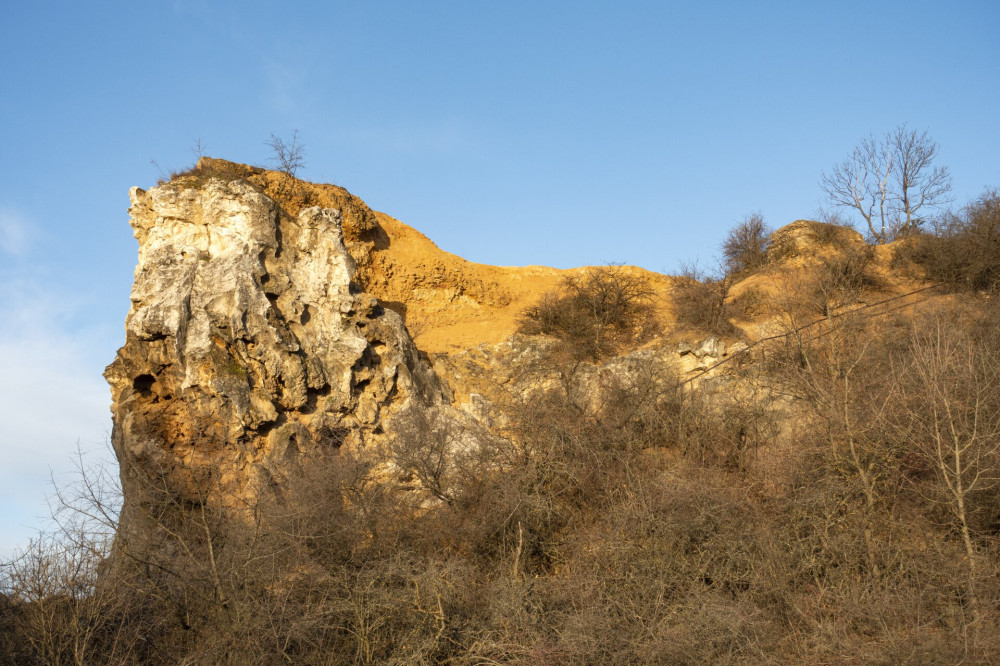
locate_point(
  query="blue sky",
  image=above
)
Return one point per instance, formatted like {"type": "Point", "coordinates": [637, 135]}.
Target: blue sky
{"type": "Point", "coordinates": [558, 133]}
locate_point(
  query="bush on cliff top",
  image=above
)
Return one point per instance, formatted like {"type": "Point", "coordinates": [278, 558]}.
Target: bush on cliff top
{"type": "Point", "coordinates": [597, 313]}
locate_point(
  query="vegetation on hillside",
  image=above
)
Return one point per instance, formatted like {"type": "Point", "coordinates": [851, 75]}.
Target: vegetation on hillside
{"type": "Point", "coordinates": [964, 248]}
{"type": "Point", "coordinates": [597, 314]}
{"type": "Point", "coordinates": [837, 502]}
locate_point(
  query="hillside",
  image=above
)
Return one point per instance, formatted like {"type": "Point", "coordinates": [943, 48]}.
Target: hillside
{"type": "Point", "coordinates": [339, 444]}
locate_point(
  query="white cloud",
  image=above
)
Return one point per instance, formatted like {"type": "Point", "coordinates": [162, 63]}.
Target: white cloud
{"type": "Point", "coordinates": [52, 398]}
{"type": "Point", "coordinates": [14, 232]}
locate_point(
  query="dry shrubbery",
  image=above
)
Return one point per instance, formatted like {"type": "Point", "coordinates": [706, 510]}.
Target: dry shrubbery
{"type": "Point", "coordinates": [204, 171]}
{"type": "Point", "coordinates": [701, 301]}
{"type": "Point", "coordinates": [964, 249]}
{"type": "Point", "coordinates": [833, 502]}
{"type": "Point", "coordinates": [598, 313]}
{"type": "Point", "coordinates": [642, 523]}
{"type": "Point", "coordinates": [746, 245]}
{"type": "Point", "coordinates": [750, 304]}
{"type": "Point", "coordinates": [842, 275]}
{"type": "Point", "coordinates": [842, 279]}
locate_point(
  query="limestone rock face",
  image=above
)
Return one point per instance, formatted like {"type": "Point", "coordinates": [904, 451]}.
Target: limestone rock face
{"type": "Point", "coordinates": [248, 349]}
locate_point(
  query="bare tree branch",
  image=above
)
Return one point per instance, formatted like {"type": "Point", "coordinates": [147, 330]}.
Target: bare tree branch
{"type": "Point", "coordinates": [888, 180]}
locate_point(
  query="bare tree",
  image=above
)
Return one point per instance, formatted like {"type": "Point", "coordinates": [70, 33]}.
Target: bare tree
{"type": "Point", "coordinates": [289, 156]}
{"type": "Point", "coordinates": [199, 147]}
{"type": "Point", "coordinates": [745, 248]}
{"type": "Point", "coordinates": [952, 418]}
{"type": "Point", "coordinates": [889, 180]}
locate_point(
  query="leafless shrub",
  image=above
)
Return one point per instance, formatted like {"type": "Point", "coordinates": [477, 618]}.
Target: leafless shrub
{"type": "Point", "coordinates": [598, 313]}
{"type": "Point", "coordinates": [833, 218]}
{"type": "Point", "coordinates": [670, 559]}
{"type": "Point", "coordinates": [745, 247]}
{"type": "Point", "coordinates": [438, 451]}
{"type": "Point", "coordinates": [962, 250]}
{"type": "Point", "coordinates": [289, 157]}
{"type": "Point", "coordinates": [700, 301]}
{"type": "Point", "coordinates": [63, 607]}
{"type": "Point", "coordinates": [639, 410]}
{"type": "Point", "coordinates": [845, 277]}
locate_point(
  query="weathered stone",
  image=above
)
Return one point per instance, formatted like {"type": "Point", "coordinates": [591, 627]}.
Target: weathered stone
{"type": "Point", "coordinates": [710, 346]}
{"type": "Point", "coordinates": [248, 350]}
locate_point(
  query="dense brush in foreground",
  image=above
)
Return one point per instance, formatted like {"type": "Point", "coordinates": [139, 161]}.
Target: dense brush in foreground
{"type": "Point", "coordinates": [652, 528]}
{"type": "Point", "coordinates": [829, 492]}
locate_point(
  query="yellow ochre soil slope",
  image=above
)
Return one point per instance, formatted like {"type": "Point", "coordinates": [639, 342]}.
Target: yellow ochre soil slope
{"type": "Point", "coordinates": [448, 303]}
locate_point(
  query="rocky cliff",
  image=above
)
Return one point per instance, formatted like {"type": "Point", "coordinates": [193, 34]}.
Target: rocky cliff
{"type": "Point", "coordinates": [646, 465]}
{"type": "Point", "coordinates": [250, 349]}
{"type": "Point", "coordinates": [271, 325]}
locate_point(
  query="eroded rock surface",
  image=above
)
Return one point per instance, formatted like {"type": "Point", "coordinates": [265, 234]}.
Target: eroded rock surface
{"type": "Point", "coordinates": [248, 349]}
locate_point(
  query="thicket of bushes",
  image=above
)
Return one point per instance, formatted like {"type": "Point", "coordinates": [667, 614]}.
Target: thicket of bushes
{"type": "Point", "coordinates": [663, 526]}
{"type": "Point", "coordinates": [963, 249]}
{"type": "Point", "coordinates": [596, 314]}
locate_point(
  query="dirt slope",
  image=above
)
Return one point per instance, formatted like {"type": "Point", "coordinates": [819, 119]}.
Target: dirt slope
{"type": "Point", "coordinates": [448, 303]}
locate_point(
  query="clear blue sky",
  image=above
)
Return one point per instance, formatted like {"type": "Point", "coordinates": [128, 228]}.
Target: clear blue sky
{"type": "Point", "coordinates": [559, 133]}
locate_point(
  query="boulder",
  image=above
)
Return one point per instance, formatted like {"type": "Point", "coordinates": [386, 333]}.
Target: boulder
{"type": "Point", "coordinates": [710, 346]}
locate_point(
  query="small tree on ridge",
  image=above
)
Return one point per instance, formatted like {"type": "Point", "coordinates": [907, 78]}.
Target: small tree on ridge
{"type": "Point", "coordinates": [889, 180]}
